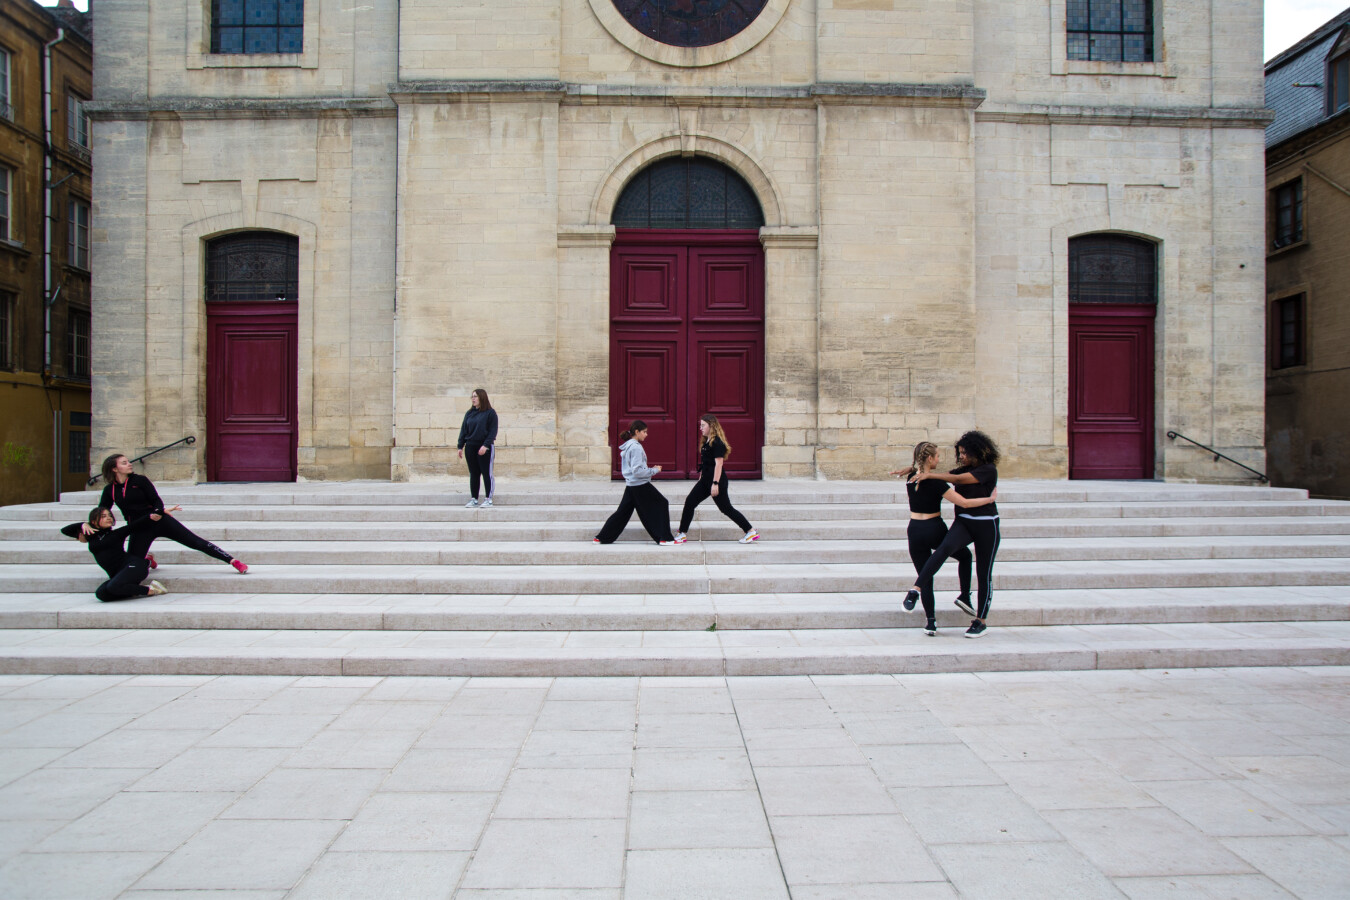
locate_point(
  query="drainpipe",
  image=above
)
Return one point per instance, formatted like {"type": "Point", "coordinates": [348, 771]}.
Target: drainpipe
{"type": "Point", "coordinates": [48, 296]}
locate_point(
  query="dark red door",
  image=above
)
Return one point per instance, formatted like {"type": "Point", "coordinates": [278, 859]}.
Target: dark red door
{"type": "Point", "coordinates": [251, 371]}
{"type": "Point", "coordinates": [687, 338]}
{"type": "Point", "coordinates": [1110, 390]}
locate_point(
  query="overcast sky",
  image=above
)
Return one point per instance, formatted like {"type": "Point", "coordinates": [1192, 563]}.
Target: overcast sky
{"type": "Point", "coordinates": [1286, 20]}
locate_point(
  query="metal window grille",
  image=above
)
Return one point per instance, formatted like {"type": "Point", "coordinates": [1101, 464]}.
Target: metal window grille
{"type": "Point", "coordinates": [1112, 268]}
{"type": "Point", "coordinates": [1289, 331]}
{"type": "Point", "coordinates": [78, 457]}
{"type": "Point", "coordinates": [1112, 30]}
{"type": "Point", "coordinates": [6, 330]}
{"type": "Point", "coordinates": [1288, 213]}
{"type": "Point", "coordinates": [77, 243]}
{"type": "Point", "coordinates": [257, 26]}
{"type": "Point", "coordinates": [687, 192]}
{"type": "Point", "coordinates": [77, 344]}
{"type": "Point", "coordinates": [253, 266]}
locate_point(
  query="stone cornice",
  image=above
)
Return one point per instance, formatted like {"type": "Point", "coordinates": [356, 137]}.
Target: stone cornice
{"type": "Point", "coordinates": [570, 93]}
{"type": "Point", "coordinates": [1179, 117]}
{"type": "Point", "coordinates": [241, 108]}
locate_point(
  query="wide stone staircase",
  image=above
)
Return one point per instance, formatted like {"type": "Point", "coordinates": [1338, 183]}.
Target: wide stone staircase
{"type": "Point", "coordinates": [394, 579]}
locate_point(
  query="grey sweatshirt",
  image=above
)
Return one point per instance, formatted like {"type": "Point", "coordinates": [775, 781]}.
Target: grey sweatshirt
{"type": "Point", "coordinates": [633, 463]}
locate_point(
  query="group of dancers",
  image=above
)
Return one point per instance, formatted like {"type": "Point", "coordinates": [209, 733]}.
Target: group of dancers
{"type": "Point", "coordinates": [124, 553]}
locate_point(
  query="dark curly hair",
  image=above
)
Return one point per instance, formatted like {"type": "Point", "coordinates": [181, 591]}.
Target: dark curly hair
{"type": "Point", "coordinates": [979, 448]}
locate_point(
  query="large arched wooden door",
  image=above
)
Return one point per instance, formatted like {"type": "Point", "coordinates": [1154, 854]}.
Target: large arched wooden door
{"type": "Point", "coordinates": [687, 313]}
{"type": "Point", "coordinates": [251, 357]}
{"type": "Point", "coordinates": [1113, 299]}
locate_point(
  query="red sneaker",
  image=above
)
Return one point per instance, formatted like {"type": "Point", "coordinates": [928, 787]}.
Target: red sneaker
{"type": "Point", "coordinates": [150, 558]}
{"type": "Point", "coordinates": [239, 567]}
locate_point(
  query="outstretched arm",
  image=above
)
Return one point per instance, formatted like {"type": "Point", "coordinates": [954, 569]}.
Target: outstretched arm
{"type": "Point", "coordinates": [949, 477]}
{"type": "Point", "coordinates": [968, 502]}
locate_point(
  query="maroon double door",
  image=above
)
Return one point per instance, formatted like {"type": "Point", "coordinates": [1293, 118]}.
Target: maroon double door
{"type": "Point", "coordinates": [251, 373]}
{"type": "Point", "coordinates": [1111, 390]}
{"type": "Point", "coordinates": [687, 338]}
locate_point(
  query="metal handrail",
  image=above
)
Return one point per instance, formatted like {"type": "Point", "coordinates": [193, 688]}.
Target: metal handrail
{"type": "Point", "coordinates": [1217, 455]}
{"type": "Point", "coordinates": [189, 440]}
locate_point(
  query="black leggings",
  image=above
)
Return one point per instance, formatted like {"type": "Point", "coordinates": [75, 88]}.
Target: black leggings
{"type": "Point", "coordinates": [985, 535]}
{"type": "Point", "coordinates": [480, 466]}
{"type": "Point", "coordinates": [925, 537]}
{"type": "Point", "coordinates": [126, 583]}
{"type": "Point", "coordinates": [702, 491]}
{"type": "Point", "coordinates": [653, 511]}
{"type": "Point", "coordinates": [174, 530]}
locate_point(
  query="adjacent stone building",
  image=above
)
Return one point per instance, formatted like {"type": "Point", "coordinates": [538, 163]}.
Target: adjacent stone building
{"type": "Point", "coordinates": [841, 225]}
{"type": "Point", "coordinates": [1308, 267]}
{"type": "Point", "coordinates": [45, 58]}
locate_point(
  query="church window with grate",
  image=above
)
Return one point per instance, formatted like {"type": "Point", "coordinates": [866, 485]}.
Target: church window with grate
{"type": "Point", "coordinates": [690, 23]}
{"type": "Point", "coordinates": [253, 267]}
{"type": "Point", "coordinates": [688, 192]}
{"type": "Point", "coordinates": [1110, 30]}
{"type": "Point", "coordinates": [1112, 268]}
{"type": "Point", "coordinates": [257, 26]}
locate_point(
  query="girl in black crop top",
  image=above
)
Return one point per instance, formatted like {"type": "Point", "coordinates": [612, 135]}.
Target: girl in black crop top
{"type": "Point", "coordinates": [136, 497]}
{"type": "Point", "coordinates": [975, 481]}
{"type": "Point", "coordinates": [927, 530]}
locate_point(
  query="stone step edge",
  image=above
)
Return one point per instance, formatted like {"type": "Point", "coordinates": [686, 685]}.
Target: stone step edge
{"type": "Point", "coordinates": [947, 654]}
{"type": "Point", "coordinates": [887, 614]}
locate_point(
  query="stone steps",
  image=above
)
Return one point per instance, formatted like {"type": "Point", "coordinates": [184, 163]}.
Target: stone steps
{"type": "Point", "coordinates": [564, 653]}
{"type": "Point", "coordinates": [401, 579]}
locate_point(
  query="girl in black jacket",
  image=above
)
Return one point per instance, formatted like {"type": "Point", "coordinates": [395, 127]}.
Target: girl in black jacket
{"type": "Point", "coordinates": [136, 497]}
{"type": "Point", "coordinates": [478, 445]}
{"type": "Point", "coordinates": [125, 572]}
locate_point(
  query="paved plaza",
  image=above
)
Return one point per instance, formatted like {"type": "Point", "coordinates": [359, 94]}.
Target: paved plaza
{"type": "Point", "coordinates": [1213, 783]}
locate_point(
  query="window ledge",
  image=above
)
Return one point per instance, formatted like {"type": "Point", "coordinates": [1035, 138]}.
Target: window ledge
{"type": "Point", "coordinates": [76, 270]}
{"type": "Point", "coordinates": [1108, 67]}
{"type": "Point", "coordinates": [253, 61]}
{"type": "Point", "coordinates": [1279, 251]}
{"type": "Point", "coordinates": [14, 246]}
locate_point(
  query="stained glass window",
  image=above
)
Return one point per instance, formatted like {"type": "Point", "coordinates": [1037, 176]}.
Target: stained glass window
{"type": "Point", "coordinates": [687, 192]}
{"type": "Point", "coordinates": [257, 26]}
{"type": "Point", "coordinates": [1113, 30]}
{"type": "Point", "coordinates": [253, 267]}
{"type": "Point", "coordinates": [690, 23]}
{"type": "Point", "coordinates": [1112, 268]}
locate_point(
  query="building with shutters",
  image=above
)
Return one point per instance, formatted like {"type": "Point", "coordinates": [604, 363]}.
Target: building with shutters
{"type": "Point", "coordinates": [1308, 262]}
{"type": "Point", "coordinates": [45, 61]}
{"type": "Point", "coordinates": [842, 226]}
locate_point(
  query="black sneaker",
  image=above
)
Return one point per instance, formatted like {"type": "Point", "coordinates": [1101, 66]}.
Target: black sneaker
{"type": "Point", "coordinates": [910, 599]}
{"type": "Point", "coordinates": [930, 628]}
{"type": "Point", "coordinates": [976, 629]}
{"type": "Point", "coordinates": [963, 604]}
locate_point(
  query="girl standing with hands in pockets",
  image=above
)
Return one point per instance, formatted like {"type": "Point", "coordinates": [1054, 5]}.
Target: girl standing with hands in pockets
{"type": "Point", "coordinates": [712, 481]}
{"type": "Point", "coordinates": [652, 507]}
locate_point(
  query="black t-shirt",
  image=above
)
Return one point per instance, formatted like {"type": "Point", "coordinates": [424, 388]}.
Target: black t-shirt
{"type": "Point", "coordinates": [987, 480]}
{"type": "Point", "coordinates": [135, 499]}
{"type": "Point", "coordinates": [926, 496]}
{"type": "Point", "coordinates": [709, 453]}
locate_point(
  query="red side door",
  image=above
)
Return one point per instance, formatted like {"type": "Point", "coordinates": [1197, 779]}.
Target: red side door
{"type": "Point", "coordinates": [252, 369]}
{"type": "Point", "coordinates": [1111, 390]}
{"type": "Point", "coordinates": [687, 337]}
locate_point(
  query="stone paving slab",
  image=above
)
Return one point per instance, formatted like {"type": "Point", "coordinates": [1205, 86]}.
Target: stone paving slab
{"type": "Point", "coordinates": [1143, 784]}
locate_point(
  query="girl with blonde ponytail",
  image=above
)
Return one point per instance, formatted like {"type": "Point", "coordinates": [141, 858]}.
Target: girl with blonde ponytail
{"type": "Point", "coordinates": [714, 448]}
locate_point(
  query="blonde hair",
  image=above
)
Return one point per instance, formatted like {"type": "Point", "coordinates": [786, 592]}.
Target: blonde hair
{"type": "Point", "coordinates": [923, 452]}
{"type": "Point", "coordinates": [715, 431]}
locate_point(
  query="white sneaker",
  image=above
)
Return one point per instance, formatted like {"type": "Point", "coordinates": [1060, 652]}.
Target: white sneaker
{"type": "Point", "coordinates": [472, 504]}
{"type": "Point", "coordinates": [750, 537]}
{"type": "Point", "coordinates": [486, 503]}
{"type": "Point", "coordinates": [681, 537]}
{"type": "Point", "coordinates": [156, 589]}
{"type": "Point", "coordinates": [666, 543]}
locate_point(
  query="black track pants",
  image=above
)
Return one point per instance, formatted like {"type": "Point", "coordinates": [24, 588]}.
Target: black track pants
{"type": "Point", "coordinates": [702, 491]}
{"type": "Point", "coordinates": [925, 537]}
{"type": "Point", "coordinates": [653, 510]}
{"type": "Point", "coordinates": [984, 533]}
{"type": "Point", "coordinates": [126, 583]}
{"type": "Point", "coordinates": [170, 528]}
{"type": "Point", "coordinates": [480, 467]}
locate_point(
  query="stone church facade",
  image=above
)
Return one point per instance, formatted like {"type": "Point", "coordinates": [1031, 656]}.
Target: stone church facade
{"type": "Point", "coordinates": [932, 180]}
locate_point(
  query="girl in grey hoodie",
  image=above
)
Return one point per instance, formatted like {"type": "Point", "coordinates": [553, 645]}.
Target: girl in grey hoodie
{"type": "Point", "coordinates": [640, 494]}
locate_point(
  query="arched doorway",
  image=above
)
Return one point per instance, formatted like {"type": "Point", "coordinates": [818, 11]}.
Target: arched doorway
{"type": "Point", "coordinates": [251, 357]}
{"type": "Point", "coordinates": [687, 312]}
{"type": "Point", "coordinates": [1113, 302]}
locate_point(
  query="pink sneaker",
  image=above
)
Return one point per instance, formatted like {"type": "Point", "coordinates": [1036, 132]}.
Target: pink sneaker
{"type": "Point", "coordinates": [239, 567]}
{"type": "Point", "coordinates": [150, 558]}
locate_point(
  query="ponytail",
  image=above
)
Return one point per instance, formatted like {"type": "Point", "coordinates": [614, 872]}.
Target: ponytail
{"type": "Point", "coordinates": [923, 452]}
{"type": "Point", "coordinates": [638, 425]}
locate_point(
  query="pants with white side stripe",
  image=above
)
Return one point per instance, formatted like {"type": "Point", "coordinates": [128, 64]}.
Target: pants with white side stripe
{"type": "Point", "coordinates": [984, 534]}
